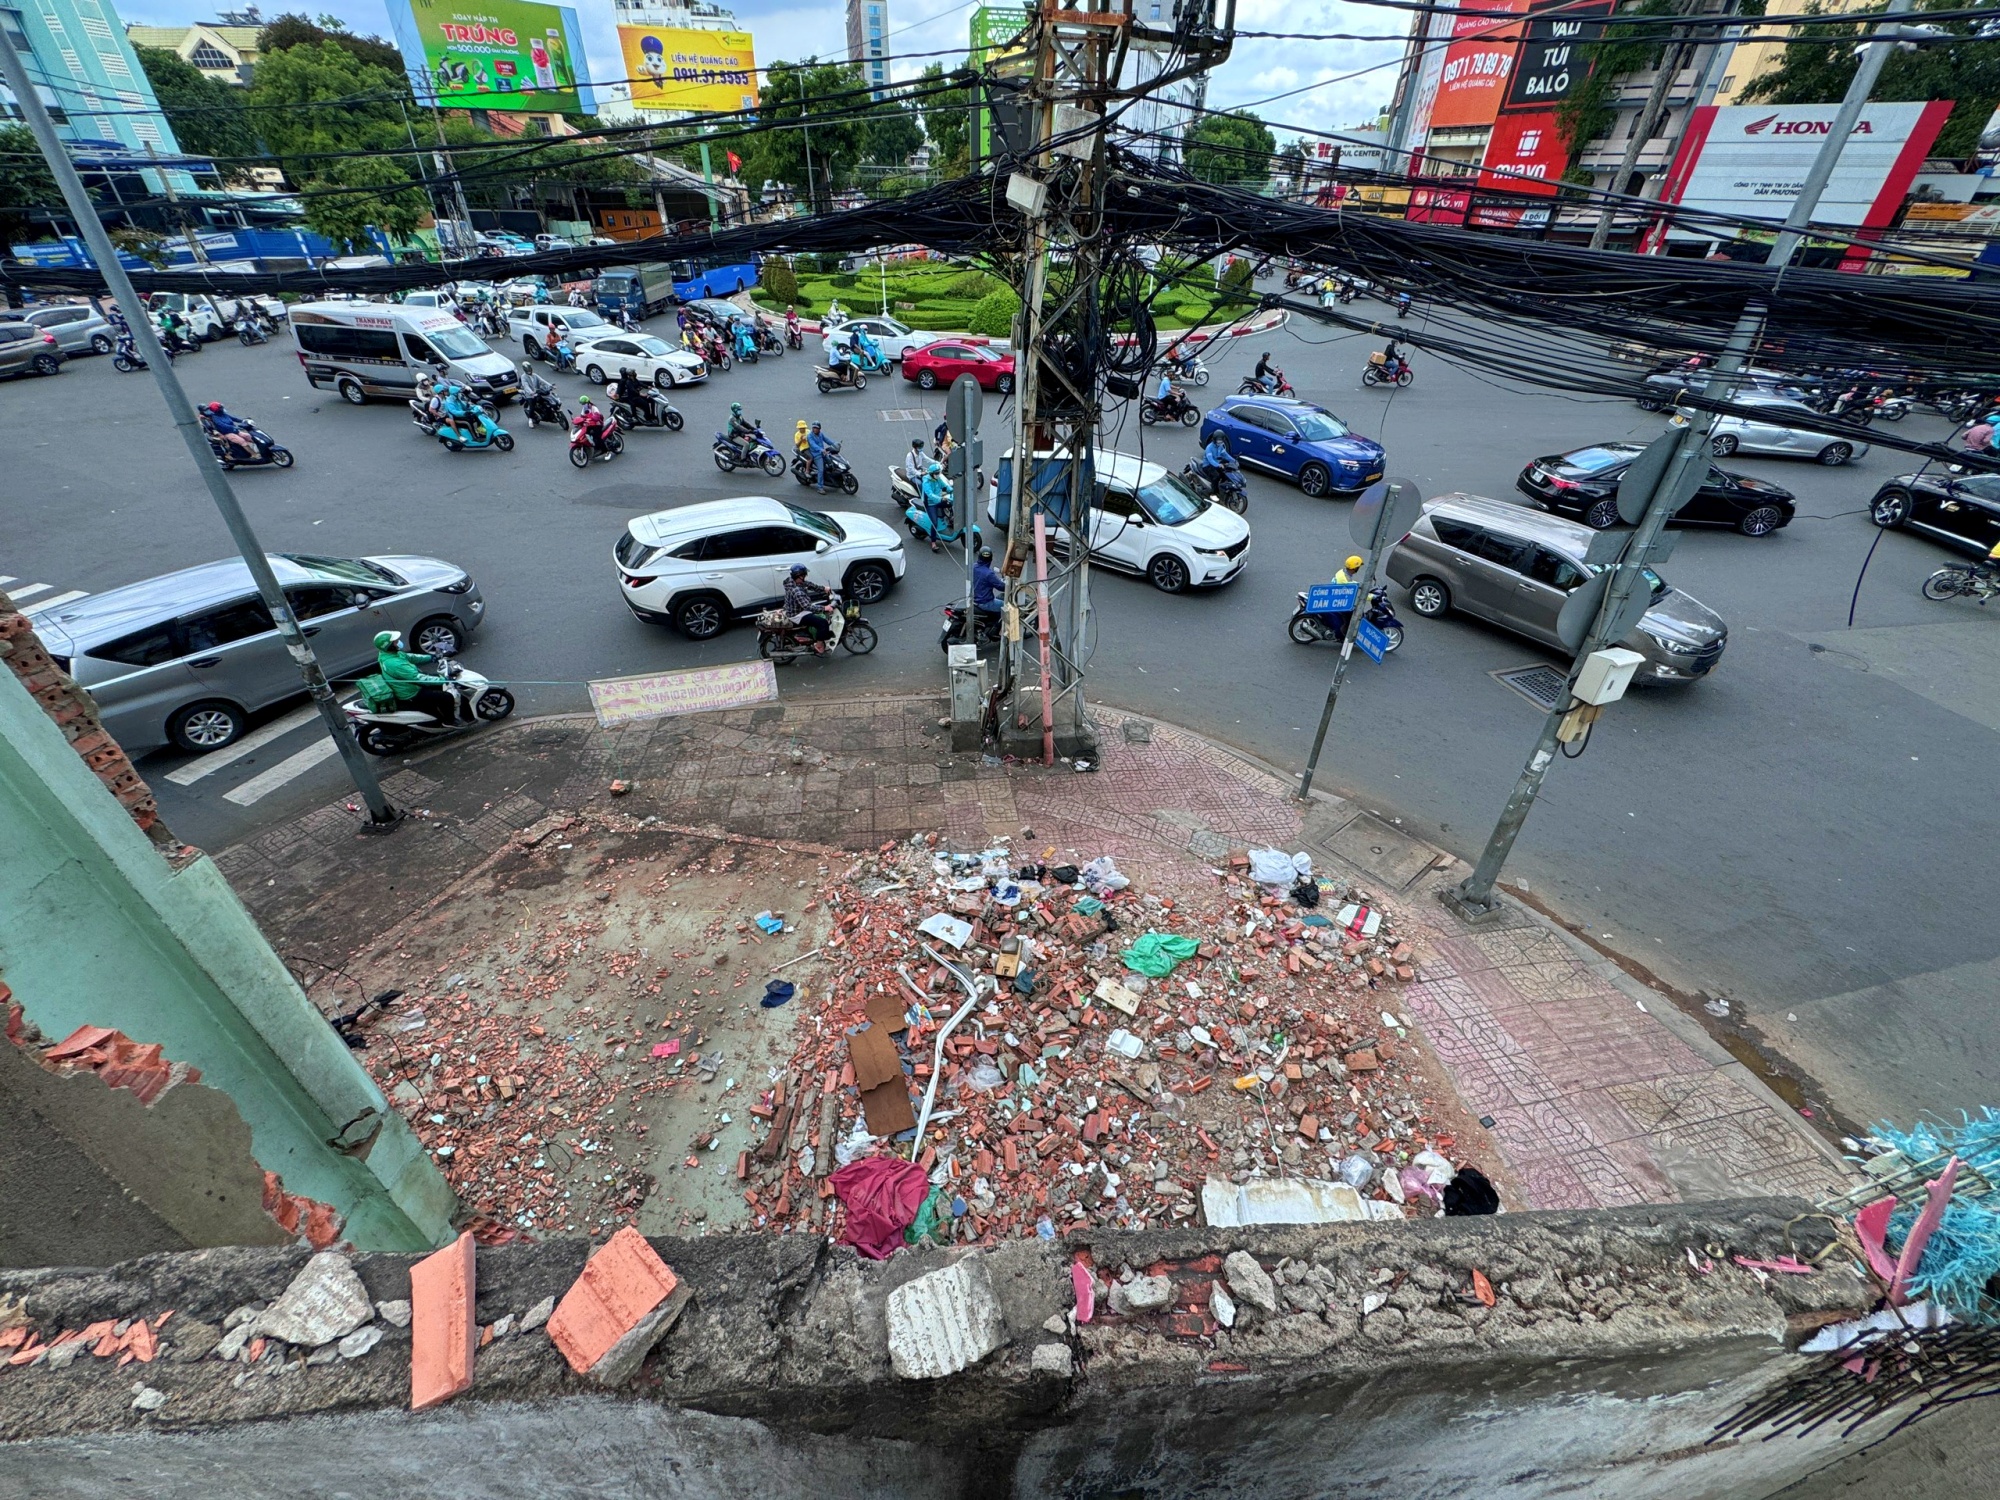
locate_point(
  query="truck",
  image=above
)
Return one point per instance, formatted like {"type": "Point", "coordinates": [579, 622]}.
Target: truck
{"type": "Point", "coordinates": [642, 290]}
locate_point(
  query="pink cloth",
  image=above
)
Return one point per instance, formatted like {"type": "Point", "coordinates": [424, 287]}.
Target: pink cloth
{"type": "Point", "coordinates": [881, 1195]}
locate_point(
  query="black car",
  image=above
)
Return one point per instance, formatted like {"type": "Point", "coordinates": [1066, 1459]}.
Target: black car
{"type": "Point", "coordinates": [1960, 510]}
{"type": "Point", "coordinates": [1584, 484]}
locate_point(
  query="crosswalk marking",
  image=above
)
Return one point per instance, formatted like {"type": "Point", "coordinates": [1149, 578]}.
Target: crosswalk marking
{"type": "Point", "coordinates": [30, 591]}
{"type": "Point", "coordinates": [5, 579]}
{"type": "Point", "coordinates": [42, 604]}
{"type": "Point", "coordinates": [290, 768]}
{"type": "Point", "coordinates": [194, 770]}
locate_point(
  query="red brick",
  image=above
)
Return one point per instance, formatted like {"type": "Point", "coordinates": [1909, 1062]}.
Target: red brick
{"type": "Point", "coordinates": [442, 1328]}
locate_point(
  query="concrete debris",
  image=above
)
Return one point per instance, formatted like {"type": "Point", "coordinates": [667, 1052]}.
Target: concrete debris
{"type": "Point", "coordinates": [1141, 1294]}
{"type": "Point", "coordinates": [1056, 1323]}
{"type": "Point", "coordinates": [192, 1339]}
{"type": "Point", "coordinates": [359, 1342]}
{"type": "Point", "coordinates": [244, 1314]}
{"type": "Point", "coordinates": [326, 1355]}
{"type": "Point", "coordinates": [537, 1315]}
{"type": "Point", "coordinates": [1249, 1281]}
{"type": "Point", "coordinates": [325, 1301]}
{"type": "Point", "coordinates": [1220, 1307]}
{"type": "Point", "coordinates": [395, 1313]}
{"type": "Point", "coordinates": [1228, 1205]}
{"type": "Point", "coordinates": [1052, 1359]}
{"type": "Point", "coordinates": [146, 1398]}
{"type": "Point", "coordinates": [504, 1327]}
{"type": "Point", "coordinates": [944, 1322]}
{"type": "Point", "coordinates": [231, 1343]}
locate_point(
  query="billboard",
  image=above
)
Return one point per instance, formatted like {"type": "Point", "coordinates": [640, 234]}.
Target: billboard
{"type": "Point", "coordinates": [493, 54]}
{"type": "Point", "coordinates": [1477, 65]}
{"type": "Point", "coordinates": [1751, 160]}
{"type": "Point", "coordinates": [1427, 69]}
{"type": "Point", "coordinates": [686, 71]}
{"type": "Point", "coordinates": [1527, 152]}
{"type": "Point", "coordinates": [1549, 68]}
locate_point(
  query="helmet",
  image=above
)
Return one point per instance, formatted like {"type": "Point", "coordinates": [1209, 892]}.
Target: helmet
{"type": "Point", "coordinates": [388, 640]}
{"type": "Point", "coordinates": [625, 370]}
{"type": "Point", "coordinates": [736, 408]}
{"type": "Point", "coordinates": [1353, 563]}
{"type": "Point", "coordinates": [798, 570]}
{"type": "Point", "coordinates": [815, 427]}
{"type": "Point", "coordinates": [934, 467]}
{"type": "Point", "coordinates": [986, 554]}
{"type": "Point", "coordinates": [917, 444]}
{"type": "Point", "coordinates": [214, 406]}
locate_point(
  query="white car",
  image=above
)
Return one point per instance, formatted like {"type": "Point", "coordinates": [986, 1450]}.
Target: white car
{"type": "Point", "coordinates": [1151, 522]}
{"type": "Point", "coordinates": [603, 355]}
{"type": "Point", "coordinates": [537, 327]}
{"type": "Point", "coordinates": [894, 339]}
{"type": "Point", "coordinates": [1769, 432]}
{"type": "Point", "coordinates": [699, 567]}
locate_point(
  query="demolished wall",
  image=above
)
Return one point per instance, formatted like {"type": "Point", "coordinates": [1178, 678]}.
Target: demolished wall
{"type": "Point", "coordinates": [1363, 1359]}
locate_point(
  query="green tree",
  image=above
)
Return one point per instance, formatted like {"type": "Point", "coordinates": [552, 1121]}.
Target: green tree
{"type": "Point", "coordinates": [892, 133]}
{"type": "Point", "coordinates": [947, 124]}
{"type": "Point", "coordinates": [294, 30]}
{"type": "Point", "coordinates": [331, 122]}
{"type": "Point", "coordinates": [783, 143]}
{"type": "Point", "coordinates": [1967, 71]}
{"type": "Point", "coordinates": [207, 115]}
{"type": "Point", "coordinates": [391, 201]}
{"type": "Point", "coordinates": [25, 184]}
{"type": "Point", "coordinates": [1231, 148]}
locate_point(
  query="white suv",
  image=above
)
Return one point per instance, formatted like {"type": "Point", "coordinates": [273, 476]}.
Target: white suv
{"type": "Point", "coordinates": [1149, 521]}
{"type": "Point", "coordinates": [537, 327]}
{"type": "Point", "coordinates": [699, 567]}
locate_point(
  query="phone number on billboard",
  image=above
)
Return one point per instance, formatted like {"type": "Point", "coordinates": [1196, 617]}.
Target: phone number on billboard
{"type": "Point", "coordinates": [738, 76]}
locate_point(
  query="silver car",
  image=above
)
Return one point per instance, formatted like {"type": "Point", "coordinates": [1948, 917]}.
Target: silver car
{"type": "Point", "coordinates": [1770, 431]}
{"type": "Point", "coordinates": [79, 328]}
{"type": "Point", "coordinates": [1516, 567]}
{"type": "Point", "coordinates": [186, 658]}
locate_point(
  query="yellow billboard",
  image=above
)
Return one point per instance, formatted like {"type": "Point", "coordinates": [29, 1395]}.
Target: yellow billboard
{"type": "Point", "coordinates": [687, 71]}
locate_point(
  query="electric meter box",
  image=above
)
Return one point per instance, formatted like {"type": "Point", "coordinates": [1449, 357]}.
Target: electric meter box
{"type": "Point", "coordinates": [1606, 674]}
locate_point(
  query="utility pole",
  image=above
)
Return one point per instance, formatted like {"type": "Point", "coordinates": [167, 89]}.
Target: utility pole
{"type": "Point", "coordinates": [195, 247]}
{"type": "Point", "coordinates": [1673, 54]}
{"type": "Point", "coordinates": [1673, 485]}
{"type": "Point", "coordinates": [15, 73]}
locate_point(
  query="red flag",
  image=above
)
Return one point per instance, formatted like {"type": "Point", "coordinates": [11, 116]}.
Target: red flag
{"type": "Point", "coordinates": [735, 161]}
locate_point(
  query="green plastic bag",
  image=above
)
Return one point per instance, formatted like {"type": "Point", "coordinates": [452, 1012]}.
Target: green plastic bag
{"type": "Point", "coordinates": [932, 1221]}
{"type": "Point", "coordinates": [1156, 954]}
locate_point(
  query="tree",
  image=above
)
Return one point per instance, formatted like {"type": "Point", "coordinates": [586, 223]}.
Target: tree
{"type": "Point", "coordinates": [947, 124]}
{"type": "Point", "coordinates": [1967, 70]}
{"type": "Point", "coordinates": [329, 121]}
{"type": "Point", "coordinates": [207, 115]}
{"type": "Point", "coordinates": [391, 201]}
{"type": "Point", "coordinates": [294, 30]}
{"type": "Point", "coordinates": [1231, 148]}
{"type": "Point", "coordinates": [892, 133]}
{"type": "Point", "coordinates": [25, 184]}
{"type": "Point", "coordinates": [788, 134]}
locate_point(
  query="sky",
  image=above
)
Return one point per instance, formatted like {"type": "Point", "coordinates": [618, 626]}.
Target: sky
{"type": "Point", "coordinates": [785, 31]}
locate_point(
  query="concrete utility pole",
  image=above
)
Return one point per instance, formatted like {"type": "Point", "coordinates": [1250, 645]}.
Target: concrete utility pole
{"type": "Point", "coordinates": [1672, 486]}
{"type": "Point", "coordinates": [15, 72]}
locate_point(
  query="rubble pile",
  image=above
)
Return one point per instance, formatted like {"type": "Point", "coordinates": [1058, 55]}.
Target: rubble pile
{"type": "Point", "coordinates": [1265, 1043]}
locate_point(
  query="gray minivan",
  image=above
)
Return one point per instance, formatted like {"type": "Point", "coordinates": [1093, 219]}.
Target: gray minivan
{"type": "Point", "coordinates": [1515, 567]}
{"type": "Point", "coordinates": [364, 349]}
{"type": "Point", "coordinates": [79, 328]}
{"type": "Point", "coordinates": [186, 658]}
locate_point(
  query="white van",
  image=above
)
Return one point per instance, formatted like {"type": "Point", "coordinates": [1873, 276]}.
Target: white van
{"type": "Point", "coordinates": [364, 349]}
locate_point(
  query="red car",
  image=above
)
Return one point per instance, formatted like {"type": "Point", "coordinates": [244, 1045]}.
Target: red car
{"type": "Point", "coordinates": [943, 362]}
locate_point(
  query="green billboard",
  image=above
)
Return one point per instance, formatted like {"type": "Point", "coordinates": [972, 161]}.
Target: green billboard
{"type": "Point", "coordinates": [493, 54]}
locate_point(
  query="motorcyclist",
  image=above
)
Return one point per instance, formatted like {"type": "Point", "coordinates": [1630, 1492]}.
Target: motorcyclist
{"type": "Point", "coordinates": [869, 351]}
{"type": "Point", "coordinates": [1402, 304]}
{"type": "Point", "coordinates": [793, 335]}
{"type": "Point", "coordinates": [232, 430]}
{"type": "Point", "coordinates": [840, 359]}
{"type": "Point", "coordinates": [594, 425]}
{"type": "Point", "coordinates": [799, 430]}
{"type": "Point", "coordinates": [1392, 358]}
{"type": "Point", "coordinates": [631, 390]}
{"type": "Point", "coordinates": [1184, 358]}
{"type": "Point", "coordinates": [746, 338]}
{"type": "Point", "coordinates": [1266, 374]}
{"type": "Point", "coordinates": [805, 604]}
{"type": "Point", "coordinates": [914, 462]}
{"type": "Point", "coordinates": [937, 500]}
{"type": "Point", "coordinates": [403, 671]}
{"type": "Point", "coordinates": [989, 589]}
{"type": "Point", "coordinates": [742, 432]}
{"type": "Point", "coordinates": [1349, 572]}
{"type": "Point", "coordinates": [1217, 462]}
{"type": "Point", "coordinates": [818, 445]}
{"type": "Point", "coordinates": [565, 352]}
{"type": "Point", "coordinates": [1163, 393]}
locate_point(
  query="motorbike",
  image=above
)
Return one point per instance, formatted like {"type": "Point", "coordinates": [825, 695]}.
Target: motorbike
{"type": "Point", "coordinates": [587, 442]}
{"type": "Point", "coordinates": [768, 341]}
{"type": "Point", "coordinates": [384, 727]}
{"type": "Point", "coordinates": [867, 359]}
{"type": "Point", "coordinates": [743, 344]}
{"type": "Point", "coordinates": [1223, 486]}
{"type": "Point", "coordinates": [1891, 408]}
{"type": "Point", "coordinates": [1307, 628]}
{"type": "Point", "coordinates": [1174, 408]}
{"type": "Point", "coordinates": [985, 626]}
{"type": "Point", "coordinates": [843, 378]}
{"type": "Point", "coordinates": [1968, 580]}
{"type": "Point", "coordinates": [839, 476]}
{"type": "Point", "coordinates": [1382, 370]}
{"type": "Point", "coordinates": [125, 359]}
{"type": "Point", "coordinates": [270, 454]}
{"type": "Point", "coordinates": [795, 337]}
{"type": "Point", "coordinates": [427, 407]}
{"type": "Point", "coordinates": [464, 425]}
{"type": "Point", "coordinates": [758, 454]}
{"type": "Point", "coordinates": [709, 345]}
{"type": "Point", "coordinates": [1250, 387]}
{"type": "Point", "coordinates": [1188, 371]}
{"type": "Point", "coordinates": [539, 404]}
{"type": "Point", "coordinates": [651, 410]}
{"type": "Point", "coordinates": [781, 642]}
{"type": "Point", "coordinates": [1403, 305]}
{"type": "Point", "coordinates": [248, 332]}
{"type": "Point", "coordinates": [176, 342]}
{"type": "Point", "coordinates": [562, 355]}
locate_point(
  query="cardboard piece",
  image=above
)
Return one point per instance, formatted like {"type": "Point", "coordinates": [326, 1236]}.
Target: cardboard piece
{"type": "Point", "coordinates": [886, 1010]}
{"type": "Point", "coordinates": [887, 1108]}
{"type": "Point", "coordinates": [1114, 994]}
{"type": "Point", "coordinates": [874, 1057]}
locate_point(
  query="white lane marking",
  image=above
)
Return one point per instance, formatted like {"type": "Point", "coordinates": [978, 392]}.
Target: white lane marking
{"type": "Point", "coordinates": [30, 591]}
{"type": "Point", "coordinates": [291, 767]}
{"type": "Point", "coordinates": [194, 770]}
{"type": "Point", "coordinates": [5, 579]}
{"type": "Point", "coordinates": [42, 604]}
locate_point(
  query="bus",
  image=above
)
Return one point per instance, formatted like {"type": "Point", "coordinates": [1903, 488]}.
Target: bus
{"type": "Point", "coordinates": [694, 278]}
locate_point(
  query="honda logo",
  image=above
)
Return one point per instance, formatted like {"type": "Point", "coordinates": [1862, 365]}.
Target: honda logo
{"type": "Point", "coordinates": [1779, 126]}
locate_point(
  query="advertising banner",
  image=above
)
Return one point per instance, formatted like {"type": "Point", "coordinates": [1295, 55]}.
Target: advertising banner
{"type": "Point", "coordinates": [1550, 68]}
{"type": "Point", "coordinates": [1430, 71]}
{"type": "Point", "coordinates": [1526, 153]}
{"type": "Point", "coordinates": [509, 55]}
{"type": "Point", "coordinates": [694, 690]}
{"type": "Point", "coordinates": [1477, 65]}
{"type": "Point", "coordinates": [689, 72]}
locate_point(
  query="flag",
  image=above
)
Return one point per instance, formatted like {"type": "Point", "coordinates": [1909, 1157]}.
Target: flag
{"type": "Point", "coordinates": [735, 161]}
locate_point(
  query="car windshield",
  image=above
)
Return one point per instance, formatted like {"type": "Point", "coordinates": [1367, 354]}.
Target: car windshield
{"type": "Point", "coordinates": [1596, 460]}
{"type": "Point", "coordinates": [817, 521]}
{"type": "Point", "coordinates": [458, 343]}
{"type": "Point", "coordinates": [1169, 501]}
{"type": "Point", "coordinates": [348, 569]}
{"type": "Point", "coordinates": [892, 328]}
{"type": "Point", "coordinates": [1653, 580]}
{"type": "Point", "coordinates": [1319, 426]}
{"type": "Point", "coordinates": [1981, 486]}
{"type": "Point", "coordinates": [657, 348]}
{"type": "Point", "coordinates": [576, 318]}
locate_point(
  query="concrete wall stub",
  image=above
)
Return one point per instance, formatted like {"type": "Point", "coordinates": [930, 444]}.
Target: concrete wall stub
{"type": "Point", "coordinates": [97, 928]}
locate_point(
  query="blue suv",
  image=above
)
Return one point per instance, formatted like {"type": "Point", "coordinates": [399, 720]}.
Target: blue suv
{"type": "Point", "coordinates": [1295, 440]}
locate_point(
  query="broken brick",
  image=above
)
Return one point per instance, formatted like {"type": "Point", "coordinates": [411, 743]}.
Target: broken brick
{"type": "Point", "coordinates": [442, 1327]}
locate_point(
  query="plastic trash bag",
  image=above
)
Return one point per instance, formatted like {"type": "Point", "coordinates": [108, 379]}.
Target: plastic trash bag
{"type": "Point", "coordinates": [933, 1217]}
{"type": "Point", "coordinates": [1356, 1171]}
{"type": "Point", "coordinates": [1275, 867]}
{"type": "Point", "coordinates": [1102, 876]}
{"type": "Point", "coordinates": [985, 1076]}
{"type": "Point", "coordinates": [1156, 954]}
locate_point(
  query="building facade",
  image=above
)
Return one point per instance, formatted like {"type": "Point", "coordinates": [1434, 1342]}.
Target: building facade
{"type": "Point", "coordinates": [867, 33]}
{"type": "Point", "coordinates": [220, 51]}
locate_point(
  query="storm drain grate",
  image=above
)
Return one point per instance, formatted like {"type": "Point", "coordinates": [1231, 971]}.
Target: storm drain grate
{"type": "Point", "coordinates": [905, 414]}
{"type": "Point", "coordinates": [1541, 684]}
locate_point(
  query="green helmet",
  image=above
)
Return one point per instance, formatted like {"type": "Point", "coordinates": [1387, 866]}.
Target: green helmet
{"type": "Point", "coordinates": [736, 408]}
{"type": "Point", "coordinates": [388, 640]}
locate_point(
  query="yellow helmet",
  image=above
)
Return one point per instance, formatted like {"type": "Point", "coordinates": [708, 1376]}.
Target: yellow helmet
{"type": "Point", "coordinates": [1353, 563]}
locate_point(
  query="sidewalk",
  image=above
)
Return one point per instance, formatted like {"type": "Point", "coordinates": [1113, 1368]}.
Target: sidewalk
{"type": "Point", "coordinates": [1596, 1092]}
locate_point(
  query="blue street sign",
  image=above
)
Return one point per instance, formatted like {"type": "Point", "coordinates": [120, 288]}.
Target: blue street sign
{"type": "Point", "coordinates": [1330, 598]}
{"type": "Point", "coordinates": [1370, 639]}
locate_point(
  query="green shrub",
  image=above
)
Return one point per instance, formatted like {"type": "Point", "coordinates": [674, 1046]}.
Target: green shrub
{"type": "Point", "coordinates": [993, 315]}
{"type": "Point", "coordinates": [973, 284]}
{"type": "Point", "coordinates": [780, 280]}
{"type": "Point", "coordinates": [845, 280]}
{"type": "Point", "coordinates": [1237, 278]}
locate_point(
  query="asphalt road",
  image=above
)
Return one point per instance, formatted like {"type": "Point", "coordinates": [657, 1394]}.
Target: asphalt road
{"type": "Point", "coordinates": [1796, 832]}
